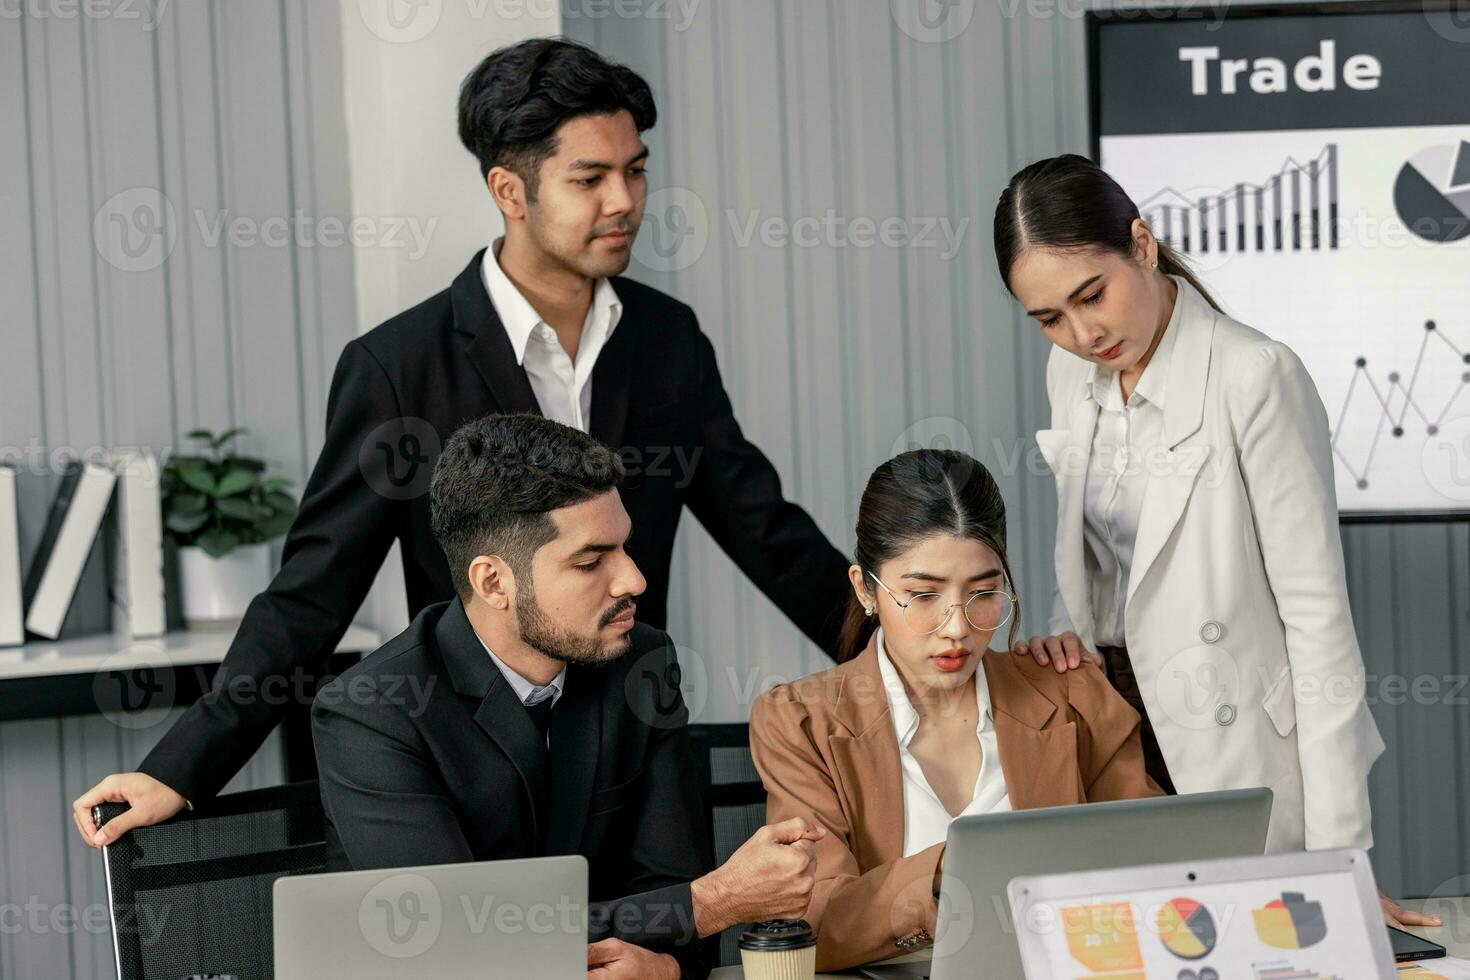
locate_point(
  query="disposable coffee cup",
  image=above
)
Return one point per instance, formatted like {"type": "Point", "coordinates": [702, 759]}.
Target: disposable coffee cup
{"type": "Point", "coordinates": [779, 949]}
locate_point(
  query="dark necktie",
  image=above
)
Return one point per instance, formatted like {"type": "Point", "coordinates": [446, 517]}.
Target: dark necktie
{"type": "Point", "coordinates": [538, 705]}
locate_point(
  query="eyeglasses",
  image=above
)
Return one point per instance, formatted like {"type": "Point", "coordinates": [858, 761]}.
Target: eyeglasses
{"type": "Point", "coordinates": [927, 612]}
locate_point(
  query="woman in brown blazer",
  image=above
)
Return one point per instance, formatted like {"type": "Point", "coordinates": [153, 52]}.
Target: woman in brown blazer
{"type": "Point", "coordinates": [921, 722]}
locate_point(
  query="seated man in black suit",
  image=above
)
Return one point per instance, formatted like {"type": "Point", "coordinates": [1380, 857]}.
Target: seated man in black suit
{"type": "Point", "coordinates": [533, 716]}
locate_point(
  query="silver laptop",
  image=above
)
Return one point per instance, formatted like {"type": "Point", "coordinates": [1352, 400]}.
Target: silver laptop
{"type": "Point", "coordinates": [1301, 914]}
{"type": "Point", "coordinates": [975, 933]}
{"type": "Point", "coordinates": [526, 917]}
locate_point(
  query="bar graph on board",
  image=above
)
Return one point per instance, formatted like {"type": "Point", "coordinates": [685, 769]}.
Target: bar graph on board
{"type": "Point", "coordinates": [1294, 209]}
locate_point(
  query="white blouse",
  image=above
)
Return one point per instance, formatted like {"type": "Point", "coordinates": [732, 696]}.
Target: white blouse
{"type": "Point", "coordinates": [1126, 439]}
{"type": "Point", "coordinates": [925, 820]}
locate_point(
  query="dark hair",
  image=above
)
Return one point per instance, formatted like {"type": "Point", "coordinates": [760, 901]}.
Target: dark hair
{"type": "Point", "coordinates": [511, 105]}
{"type": "Point", "coordinates": [497, 481]}
{"type": "Point", "coordinates": [1069, 202]}
{"type": "Point", "coordinates": [911, 497]}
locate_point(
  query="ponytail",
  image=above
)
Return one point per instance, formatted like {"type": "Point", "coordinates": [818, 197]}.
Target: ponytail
{"type": "Point", "coordinates": [1172, 263]}
{"type": "Point", "coordinates": [857, 629]}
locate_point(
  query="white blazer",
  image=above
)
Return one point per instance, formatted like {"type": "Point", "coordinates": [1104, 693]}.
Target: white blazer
{"type": "Point", "coordinates": [1236, 614]}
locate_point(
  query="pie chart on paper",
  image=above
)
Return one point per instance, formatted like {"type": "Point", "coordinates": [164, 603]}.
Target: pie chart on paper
{"type": "Point", "coordinates": [1186, 928]}
{"type": "Point", "coordinates": [1290, 922]}
{"type": "Point", "coordinates": [1432, 193]}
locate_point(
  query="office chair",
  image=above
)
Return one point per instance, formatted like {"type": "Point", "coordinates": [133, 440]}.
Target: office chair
{"type": "Point", "coordinates": [733, 798]}
{"type": "Point", "coordinates": [192, 896]}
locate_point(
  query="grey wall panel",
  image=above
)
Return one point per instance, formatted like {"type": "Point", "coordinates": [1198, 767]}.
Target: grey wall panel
{"type": "Point", "coordinates": [132, 325]}
{"type": "Point", "coordinates": [820, 327]}
{"type": "Point", "coordinates": [34, 826]}
{"type": "Point", "coordinates": [320, 187]}
{"type": "Point", "coordinates": [1004, 402]}
{"type": "Point", "coordinates": [22, 388]}
{"type": "Point", "coordinates": [225, 111]}
{"type": "Point", "coordinates": [836, 356]}
{"type": "Point", "coordinates": [1409, 606]}
{"type": "Point", "coordinates": [1364, 550]}
{"type": "Point", "coordinates": [257, 183]}
{"type": "Point", "coordinates": [690, 130]}
{"type": "Point", "coordinates": [1457, 755]}
{"type": "Point", "coordinates": [71, 363]}
{"type": "Point", "coordinates": [203, 374]}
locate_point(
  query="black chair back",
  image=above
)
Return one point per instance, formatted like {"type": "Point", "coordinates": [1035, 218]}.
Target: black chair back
{"type": "Point", "coordinates": [192, 896]}
{"type": "Point", "coordinates": [733, 798]}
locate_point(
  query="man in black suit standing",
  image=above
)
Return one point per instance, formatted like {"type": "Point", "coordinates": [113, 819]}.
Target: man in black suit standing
{"type": "Point", "coordinates": [539, 322]}
{"type": "Point", "coordinates": [531, 715]}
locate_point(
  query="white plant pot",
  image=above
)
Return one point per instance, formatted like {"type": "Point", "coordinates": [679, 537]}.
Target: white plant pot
{"type": "Point", "coordinates": [216, 591]}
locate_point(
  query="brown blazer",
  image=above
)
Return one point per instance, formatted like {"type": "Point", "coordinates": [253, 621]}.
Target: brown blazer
{"type": "Point", "coordinates": [826, 751]}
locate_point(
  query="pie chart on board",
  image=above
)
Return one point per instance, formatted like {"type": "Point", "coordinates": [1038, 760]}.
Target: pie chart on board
{"type": "Point", "coordinates": [1432, 193]}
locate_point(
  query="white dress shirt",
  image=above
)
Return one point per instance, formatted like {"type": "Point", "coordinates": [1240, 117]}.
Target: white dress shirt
{"type": "Point", "coordinates": [1127, 438]}
{"type": "Point", "coordinates": [563, 387]}
{"type": "Point", "coordinates": [925, 820]}
{"type": "Point", "coordinates": [524, 690]}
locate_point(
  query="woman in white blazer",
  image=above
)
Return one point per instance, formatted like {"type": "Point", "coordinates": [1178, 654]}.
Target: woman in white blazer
{"type": "Point", "coordinates": [1197, 542]}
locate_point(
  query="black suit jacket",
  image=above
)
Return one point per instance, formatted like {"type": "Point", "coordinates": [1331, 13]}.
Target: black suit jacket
{"type": "Point", "coordinates": [428, 757]}
{"type": "Point", "coordinates": [408, 384]}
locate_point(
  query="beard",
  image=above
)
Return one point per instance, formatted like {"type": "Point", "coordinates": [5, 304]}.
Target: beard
{"type": "Point", "coordinates": [580, 258]}
{"type": "Point", "coordinates": [565, 645]}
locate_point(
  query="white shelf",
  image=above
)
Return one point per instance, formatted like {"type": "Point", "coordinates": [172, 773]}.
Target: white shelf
{"type": "Point", "coordinates": [89, 654]}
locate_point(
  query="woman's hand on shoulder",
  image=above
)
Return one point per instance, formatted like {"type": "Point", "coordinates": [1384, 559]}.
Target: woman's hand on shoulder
{"type": "Point", "coordinates": [1063, 653]}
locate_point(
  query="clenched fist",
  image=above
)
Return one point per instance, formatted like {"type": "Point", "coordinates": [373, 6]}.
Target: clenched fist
{"type": "Point", "coordinates": [769, 877]}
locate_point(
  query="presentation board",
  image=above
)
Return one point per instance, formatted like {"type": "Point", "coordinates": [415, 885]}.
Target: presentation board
{"type": "Point", "coordinates": [1312, 163]}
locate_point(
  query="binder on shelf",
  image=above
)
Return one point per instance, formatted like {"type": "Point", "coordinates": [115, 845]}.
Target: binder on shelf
{"type": "Point", "coordinates": [66, 544]}
{"type": "Point", "coordinates": [135, 547]}
{"type": "Point", "coordinates": [12, 609]}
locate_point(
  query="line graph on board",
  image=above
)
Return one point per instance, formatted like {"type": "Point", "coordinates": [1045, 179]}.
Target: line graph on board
{"type": "Point", "coordinates": [1285, 212]}
{"type": "Point", "coordinates": [1397, 398]}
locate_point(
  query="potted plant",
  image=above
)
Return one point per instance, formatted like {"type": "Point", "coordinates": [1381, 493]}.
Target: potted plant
{"type": "Point", "coordinates": [222, 510]}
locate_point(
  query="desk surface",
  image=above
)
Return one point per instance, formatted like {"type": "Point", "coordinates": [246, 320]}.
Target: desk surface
{"type": "Point", "coordinates": [1454, 935]}
{"type": "Point", "coordinates": [106, 651]}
